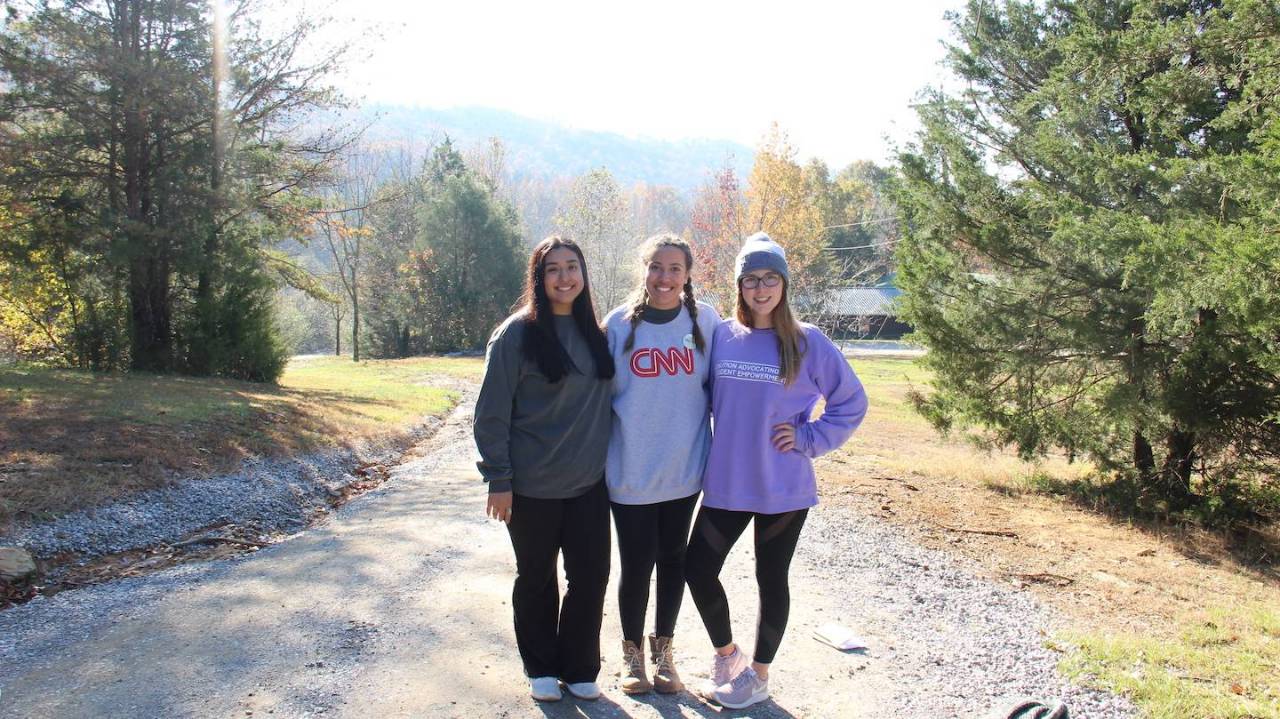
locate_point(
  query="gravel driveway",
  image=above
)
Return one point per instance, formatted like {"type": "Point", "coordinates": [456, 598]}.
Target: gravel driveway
{"type": "Point", "coordinates": [398, 606]}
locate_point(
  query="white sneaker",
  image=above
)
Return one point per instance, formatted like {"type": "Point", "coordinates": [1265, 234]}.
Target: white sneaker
{"type": "Point", "coordinates": [584, 690]}
{"type": "Point", "coordinates": [545, 689]}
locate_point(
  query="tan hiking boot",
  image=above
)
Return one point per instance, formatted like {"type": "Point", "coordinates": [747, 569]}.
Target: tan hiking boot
{"type": "Point", "coordinates": [665, 677]}
{"type": "Point", "coordinates": [634, 680]}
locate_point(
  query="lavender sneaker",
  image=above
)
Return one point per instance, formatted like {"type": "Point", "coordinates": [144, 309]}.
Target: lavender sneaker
{"type": "Point", "coordinates": [744, 690]}
{"type": "Point", "coordinates": [724, 669]}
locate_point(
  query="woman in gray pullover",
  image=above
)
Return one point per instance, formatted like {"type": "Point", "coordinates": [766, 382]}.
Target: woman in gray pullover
{"type": "Point", "coordinates": [660, 343]}
{"type": "Point", "coordinates": [542, 429]}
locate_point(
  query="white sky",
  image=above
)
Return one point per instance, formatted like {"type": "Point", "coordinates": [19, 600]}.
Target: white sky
{"type": "Point", "coordinates": [837, 76]}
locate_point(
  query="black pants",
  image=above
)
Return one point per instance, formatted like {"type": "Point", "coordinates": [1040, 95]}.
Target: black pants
{"type": "Point", "coordinates": [714, 534]}
{"type": "Point", "coordinates": [652, 535]}
{"type": "Point", "coordinates": [560, 639]}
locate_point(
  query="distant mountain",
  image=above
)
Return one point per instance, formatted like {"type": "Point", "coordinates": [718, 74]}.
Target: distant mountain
{"type": "Point", "coordinates": [545, 149]}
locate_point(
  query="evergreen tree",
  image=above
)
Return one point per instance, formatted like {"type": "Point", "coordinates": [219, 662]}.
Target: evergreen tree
{"type": "Point", "coordinates": [1090, 246]}
{"type": "Point", "coordinates": [468, 264]}
{"type": "Point", "coordinates": [158, 156]}
{"type": "Point", "coordinates": [448, 252]}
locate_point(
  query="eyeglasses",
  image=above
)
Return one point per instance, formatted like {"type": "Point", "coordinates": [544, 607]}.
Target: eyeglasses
{"type": "Point", "coordinates": [750, 282]}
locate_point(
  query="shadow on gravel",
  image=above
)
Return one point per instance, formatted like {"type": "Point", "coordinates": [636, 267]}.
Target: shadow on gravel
{"type": "Point", "coordinates": [294, 627]}
{"type": "Point", "coordinates": [675, 706]}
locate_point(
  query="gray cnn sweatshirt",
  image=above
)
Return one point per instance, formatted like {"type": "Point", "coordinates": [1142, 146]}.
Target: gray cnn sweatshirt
{"type": "Point", "coordinates": [661, 428]}
{"type": "Point", "coordinates": [537, 438]}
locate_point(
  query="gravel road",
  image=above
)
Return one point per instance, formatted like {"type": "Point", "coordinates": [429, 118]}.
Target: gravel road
{"type": "Point", "coordinates": [398, 605]}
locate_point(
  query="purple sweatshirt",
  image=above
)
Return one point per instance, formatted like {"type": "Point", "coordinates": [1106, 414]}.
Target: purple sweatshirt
{"type": "Point", "coordinates": [745, 472]}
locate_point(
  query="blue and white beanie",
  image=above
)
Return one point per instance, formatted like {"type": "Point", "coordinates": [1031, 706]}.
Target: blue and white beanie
{"type": "Point", "coordinates": [761, 253]}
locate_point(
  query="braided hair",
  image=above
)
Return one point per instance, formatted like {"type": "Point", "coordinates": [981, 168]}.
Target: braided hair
{"type": "Point", "coordinates": [635, 313]}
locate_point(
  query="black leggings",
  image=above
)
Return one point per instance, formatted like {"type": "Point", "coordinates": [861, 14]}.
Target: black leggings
{"type": "Point", "coordinates": [649, 535]}
{"type": "Point", "coordinates": [713, 536]}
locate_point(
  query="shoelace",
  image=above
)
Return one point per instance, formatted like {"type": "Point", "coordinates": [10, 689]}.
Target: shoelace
{"type": "Point", "coordinates": [635, 660]}
{"type": "Point", "coordinates": [664, 660]}
{"type": "Point", "coordinates": [720, 666]}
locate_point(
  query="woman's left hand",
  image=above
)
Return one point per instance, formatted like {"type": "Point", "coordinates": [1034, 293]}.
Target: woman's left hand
{"type": "Point", "coordinates": [784, 436]}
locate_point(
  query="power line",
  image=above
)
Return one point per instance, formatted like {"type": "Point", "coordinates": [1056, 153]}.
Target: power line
{"type": "Point", "coordinates": [859, 224]}
{"type": "Point", "coordinates": [861, 247]}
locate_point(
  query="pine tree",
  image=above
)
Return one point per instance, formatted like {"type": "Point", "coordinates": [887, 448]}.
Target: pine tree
{"type": "Point", "coordinates": [1090, 246]}
{"type": "Point", "coordinates": [162, 160]}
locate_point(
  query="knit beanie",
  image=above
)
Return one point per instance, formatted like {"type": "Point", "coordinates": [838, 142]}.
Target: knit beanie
{"type": "Point", "coordinates": [761, 253]}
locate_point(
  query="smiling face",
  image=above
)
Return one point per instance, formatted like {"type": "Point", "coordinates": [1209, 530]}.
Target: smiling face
{"type": "Point", "coordinates": [761, 299]}
{"type": "Point", "coordinates": [562, 279]}
{"type": "Point", "coordinates": [667, 274]}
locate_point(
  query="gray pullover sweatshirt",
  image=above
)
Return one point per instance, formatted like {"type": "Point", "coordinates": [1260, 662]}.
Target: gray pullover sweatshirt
{"type": "Point", "coordinates": [661, 429]}
{"type": "Point", "coordinates": [536, 438]}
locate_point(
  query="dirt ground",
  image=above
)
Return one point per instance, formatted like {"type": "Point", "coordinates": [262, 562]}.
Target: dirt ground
{"type": "Point", "coordinates": [398, 605]}
{"type": "Point", "coordinates": [436, 645]}
{"type": "Point", "coordinates": [1105, 573]}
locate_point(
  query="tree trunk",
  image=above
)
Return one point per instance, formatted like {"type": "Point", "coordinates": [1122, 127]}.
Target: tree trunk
{"type": "Point", "coordinates": [1143, 458]}
{"type": "Point", "coordinates": [337, 337]}
{"type": "Point", "coordinates": [1179, 463]}
{"type": "Point", "coordinates": [150, 330]}
{"type": "Point", "coordinates": [150, 327]}
{"type": "Point", "coordinates": [355, 318]}
{"type": "Point", "coordinates": [205, 309]}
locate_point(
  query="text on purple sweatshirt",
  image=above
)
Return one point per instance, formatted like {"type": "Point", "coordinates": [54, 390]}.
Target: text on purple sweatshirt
{"type": "Point", "coordinates": [744, 471]}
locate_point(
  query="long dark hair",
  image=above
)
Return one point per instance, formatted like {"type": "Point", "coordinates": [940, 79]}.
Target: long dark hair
{"type": "Point", "coordinates": [635, 313]}
{"type": "Point", "coordinates": [541, 345]}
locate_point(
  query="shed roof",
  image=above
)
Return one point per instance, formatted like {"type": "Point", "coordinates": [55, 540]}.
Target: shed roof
{"type": "Point", "coordinates": [863, 301]}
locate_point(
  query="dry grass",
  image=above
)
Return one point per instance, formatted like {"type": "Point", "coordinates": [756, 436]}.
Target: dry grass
{"type": "Point", "coordinates": [71, 440]}
{"type": "Point", "coordinates": [1138, 592]}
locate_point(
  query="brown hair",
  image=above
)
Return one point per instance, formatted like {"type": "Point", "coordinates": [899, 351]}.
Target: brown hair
{"type": "Point", "coordinates": [540, 344]}
{"type": "Point", "coordinates": [641, 297]}
{"type": "Point", "coordinates": [789, 333]}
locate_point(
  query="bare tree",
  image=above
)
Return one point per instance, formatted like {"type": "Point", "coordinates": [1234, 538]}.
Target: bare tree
{"type": "Point", "coordinates": [344, 225]}
{"type": "Point", "coordinates": [596, 217]}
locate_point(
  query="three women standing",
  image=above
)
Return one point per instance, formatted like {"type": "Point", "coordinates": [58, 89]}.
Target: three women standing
{"type": "Point", "coordinates": [547, 423]}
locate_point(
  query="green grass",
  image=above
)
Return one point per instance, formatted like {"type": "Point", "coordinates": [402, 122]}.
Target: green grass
{"type": "Point", "coordinates": [1223, 664]}
{"type": "Point", "coordinates": [141, 398]}
{"type": "Point", "coordinates": [887, 382]}
{"type": "Point", "coordinates": [72, 439]}
{"type": "Point", "coordinates": [381, 391]}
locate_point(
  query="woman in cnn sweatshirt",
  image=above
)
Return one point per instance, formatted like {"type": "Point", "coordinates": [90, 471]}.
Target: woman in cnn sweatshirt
{"type": "Point", "coordinates": [660, 342]}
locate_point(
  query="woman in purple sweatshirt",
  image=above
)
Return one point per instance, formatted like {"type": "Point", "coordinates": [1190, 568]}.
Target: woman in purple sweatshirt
{"type": "Point", "coordinates": [767, 372]}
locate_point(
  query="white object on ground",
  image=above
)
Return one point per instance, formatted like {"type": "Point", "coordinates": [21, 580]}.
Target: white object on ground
{"type": "Point", "coordinates": [838, 636]}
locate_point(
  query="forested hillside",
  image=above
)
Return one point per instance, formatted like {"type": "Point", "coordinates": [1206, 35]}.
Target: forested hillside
{"type": "Point", "coordinates": [547, 149]}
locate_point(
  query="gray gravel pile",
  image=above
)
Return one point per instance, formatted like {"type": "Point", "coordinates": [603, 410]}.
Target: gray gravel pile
{"type": "Point", "coordinates": [964, 643]}
{"type": "Point", "coordinates": [267, 495]}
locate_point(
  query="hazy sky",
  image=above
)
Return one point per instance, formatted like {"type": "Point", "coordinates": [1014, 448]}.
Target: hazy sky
{"type": "Point", "coordinates": [837, 76]}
